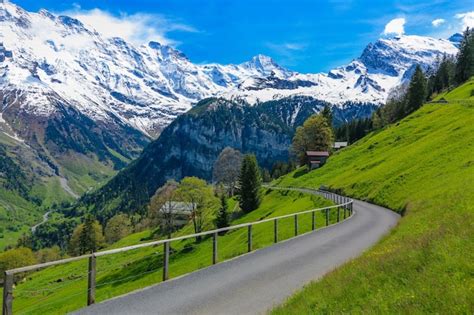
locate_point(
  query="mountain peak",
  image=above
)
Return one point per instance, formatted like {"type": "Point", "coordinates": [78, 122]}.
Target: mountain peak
{"type": "Point", "coordinates": [265, 65]}
{"type": "Point", "coordinates": [456, 39]}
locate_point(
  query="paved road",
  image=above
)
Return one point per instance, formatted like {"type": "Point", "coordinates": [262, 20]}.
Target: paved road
{"type": "Point", "coordinates": [253, 283]}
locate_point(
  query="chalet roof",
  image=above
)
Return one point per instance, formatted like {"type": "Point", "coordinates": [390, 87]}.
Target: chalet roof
{"type": "Point", "coordinates": [317, 153]}
{"type": "Point", "coordinates": [340, 144]}
{"type": "Point", "coordinates": [177, 207]}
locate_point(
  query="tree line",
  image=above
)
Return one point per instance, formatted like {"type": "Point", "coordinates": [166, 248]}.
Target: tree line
{"type": "Point", "coordinates": [206, 206]}
{"type": "Point", "coordinates": [447, 73]}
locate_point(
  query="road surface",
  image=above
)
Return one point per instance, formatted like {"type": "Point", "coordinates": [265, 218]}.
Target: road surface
{"type": "Point", "coordinates": [254, 283]}
{"type": "Point", "coordinates": [45, 219]}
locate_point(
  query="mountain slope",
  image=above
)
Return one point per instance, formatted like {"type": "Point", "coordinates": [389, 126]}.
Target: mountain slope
{"type": "Point", "coordinates": [78, 98]}
{"type": "Point", "coordinates": [191, 144]}
{"type": "Point", "coordinates": [126, 272]}
{"type": "Point", "coordinates": [422, 167]}
{"type": "Point", "coordinates": [76, 107]}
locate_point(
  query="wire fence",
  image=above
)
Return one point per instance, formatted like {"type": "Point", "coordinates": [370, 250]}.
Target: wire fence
{"type": "Point", "coordinates": [159, 261]}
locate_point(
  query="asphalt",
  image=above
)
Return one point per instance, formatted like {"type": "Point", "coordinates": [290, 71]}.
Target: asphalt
{"type": "Point", "coordinates": [254, 283]}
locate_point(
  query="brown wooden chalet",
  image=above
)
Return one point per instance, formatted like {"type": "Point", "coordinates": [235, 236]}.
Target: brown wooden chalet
{"type": "Point", "coordinates": [316, 159]}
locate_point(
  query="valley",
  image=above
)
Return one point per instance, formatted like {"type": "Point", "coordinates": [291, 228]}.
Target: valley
{"type": "Point", "coordinates": [126, 146]}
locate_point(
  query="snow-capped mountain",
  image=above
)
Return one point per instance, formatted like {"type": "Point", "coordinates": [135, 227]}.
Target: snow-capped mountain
{"type": "Point", "coordinates": [382, 66]}
{"type": "Point", "coordinates": [67, 92]}
{"type": "Point", "coordinates": [146, 87]}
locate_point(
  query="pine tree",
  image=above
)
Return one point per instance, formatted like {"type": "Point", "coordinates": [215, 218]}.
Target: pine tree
{"type": "Point", "coordinates": [87, 237]}
{"type": "Point", "coordinates": [416, 91]}
{"type": "Point", "coordinates": [327, 113]}
{"type": "Point", "coordinates": [465, 59]}
{"type": "Point", "coordinates": [250, 184]}
{"type": "Point", "coordinates": [222, 219]}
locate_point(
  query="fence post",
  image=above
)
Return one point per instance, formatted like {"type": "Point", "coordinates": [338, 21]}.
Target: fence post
{"type": "Point", "coordinates": [8, 294]}
{"type": "Point", "coordinates": [338, 213]}
{"type": "Point", "coordinates": [166, 260]}
{"type": "Point", "coordinates": [345, 210]}
{"type": "Point", "coordinates": [313, 221]}
{"type": "Point", "coordinates": [296, 225]}
{"type": "Point", "coordinates": [249, 241]}
{"type": "Point", "coordinates": [214, 248]}
{"type": "Point", "coordinates": [327, 217]}
{"type": "Point", "coordinates": [275, 230]}
{"type": "Point", "coordinates": [91, 280]}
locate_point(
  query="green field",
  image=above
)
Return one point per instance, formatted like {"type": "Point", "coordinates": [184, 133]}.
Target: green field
{"type": "Point", "coordinates": [422, 167]}
{"type": "Point", "coordinates": [63, 288]}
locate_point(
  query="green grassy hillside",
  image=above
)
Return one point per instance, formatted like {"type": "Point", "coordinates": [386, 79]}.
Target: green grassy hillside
{"type": "Point", "coordinates": [463, 92]}
{"type": "Point", "coordinates": [62, 289]}
{"type": "Point", "coordinates": [422, 167]}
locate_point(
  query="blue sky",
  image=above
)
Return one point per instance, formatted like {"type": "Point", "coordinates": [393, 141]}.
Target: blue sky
{"type": "Point", "coordinates": [303, 35]}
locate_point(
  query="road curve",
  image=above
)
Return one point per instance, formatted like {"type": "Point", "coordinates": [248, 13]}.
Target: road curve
{"type": "Point", "coordinates": [254, 283]}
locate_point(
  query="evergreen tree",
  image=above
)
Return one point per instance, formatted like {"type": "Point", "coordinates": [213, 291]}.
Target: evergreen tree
{"type": "Point", "coordinates": [222, 219]}
{"type": "Point", "coordinates": [87, 237]}
{"type": "Point", "coordinates": [250, 184]}
{"type": "Point", "coordinates": [465, 58]}
{"type": "Point", "coordinates": [416, 91]}
{"type": "Point", "coordinates": [87, 240]}
{"type": "Point", "coordinates": [327, 113]}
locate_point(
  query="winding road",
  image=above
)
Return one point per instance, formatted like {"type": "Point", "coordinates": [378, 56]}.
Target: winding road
{"type": "Point", "coordinates": [44, 220]}
{"type": "Point", "coordinates": [254, 283]}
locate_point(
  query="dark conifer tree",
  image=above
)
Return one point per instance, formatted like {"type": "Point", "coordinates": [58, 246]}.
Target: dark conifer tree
{"type": "Point", "coordinates": [465, 59]}
{"type": "Point", "coordinates": [250, 184]}
{"type": "Point", "coordinates": [222, 219]}
{"type": "Point", "coordinates": [87, 240]}
{"type": "Point", "coordinates": [416, 91]}
{"type": "Point", "coordinates": [327, 113]}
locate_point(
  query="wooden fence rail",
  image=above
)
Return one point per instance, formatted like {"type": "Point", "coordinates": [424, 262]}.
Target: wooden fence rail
{"type": "Point", "coordinates": [341, 202]}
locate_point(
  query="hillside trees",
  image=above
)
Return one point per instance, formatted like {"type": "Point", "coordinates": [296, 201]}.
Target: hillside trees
{"type": "Point", "coordinates": [465, 58]}
{"type": "Point", "coordinates": [87, 237]}
{"type": "Point", "coordinates": [443, 77]}
{"type": "Point", "coordinates": [15, 258]}
{"type": "Point", "coordinates": [162, 207]}
{"type": "Point", "coordinates": [226, 169]}
{"type": "Point", "coordinates": [222, 218]}
{"type": "Point", "coordinates": [327, 113]}
{"type": "Point", "coordinates": [353, 130]}
{"type": "Point", "coordinates": [315, 135]}
{"type": "Point", "coordinates": [48, 254]}
{"type": "Point", "coordinates": [280, 168]}
{"type": "Point", "coordinates": [250, 184]}
{"type": "Point", "coordinates": [416, 94]}
{"type": "Point", "coordinates": [199, 195]}
{"type": "Point", "coordinates": [117, 228]}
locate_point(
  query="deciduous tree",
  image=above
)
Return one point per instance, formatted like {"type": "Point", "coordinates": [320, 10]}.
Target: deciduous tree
{"type": "Point", "coordinates": [199, 195]}
{"type": "Point", "coordinates": [314, 135]}
{"type": "Point", "coordinates": [227, 169]}
{"type": "Point", "coordinates": [162, 207]}
{"type": "Point", "coordinates": [15, 258]}
{"type": "Point", "coordinates": [117, 228]}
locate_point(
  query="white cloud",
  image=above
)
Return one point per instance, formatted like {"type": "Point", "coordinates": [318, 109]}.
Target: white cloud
{"type": "Point", "coordinates": [437, 22]}
{"type": "Point", "coordinates": [395, 27]}
{"type": "Point", "coordinates": [467, 19]}
{"type": "Point", "coordinates": [137, 28]}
